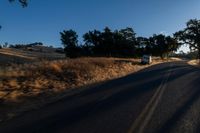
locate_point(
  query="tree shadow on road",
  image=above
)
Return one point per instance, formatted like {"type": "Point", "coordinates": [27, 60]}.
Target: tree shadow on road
{"type": "Point", "coordinates": [194, 95]}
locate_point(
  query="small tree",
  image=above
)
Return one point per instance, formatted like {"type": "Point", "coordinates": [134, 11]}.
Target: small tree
{"type": "Point", "coordinates": [190, 35]}
{"type": "Point", "coordinates": [69, 40]}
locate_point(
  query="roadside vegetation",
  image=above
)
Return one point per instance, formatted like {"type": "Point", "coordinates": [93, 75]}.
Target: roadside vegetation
{"type": "Point", "coordinates": [32, 75]}
{"type": "Point", "coordinates": [28, 86]}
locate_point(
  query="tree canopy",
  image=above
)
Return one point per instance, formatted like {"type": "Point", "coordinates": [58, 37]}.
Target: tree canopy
{"type": "Point", "coordinates": [111, 43]}
{"type": "Point", "coordinates": [118, 43]}
{"type": "Point", "coordinates": [69, 39]}
{"type": "Point", "coordinates": [190, 35]}
{"type": "Point", "coordinates": [158, 45]}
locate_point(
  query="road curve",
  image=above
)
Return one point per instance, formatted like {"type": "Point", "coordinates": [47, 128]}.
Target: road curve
{"type": "Point", "coordinates": [161, 98]}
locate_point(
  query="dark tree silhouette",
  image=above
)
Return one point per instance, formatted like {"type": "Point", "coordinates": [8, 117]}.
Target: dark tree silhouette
{"type": "Point", "coordinates": [24, 3]}
{"type": "Point", "coordinates": [190, 35]}
{"type": "Point", "coordinates": [107, 41]}
{"type": "Point", "coordinates": [172, 44]}
{"type": "Point", "coordinates": [143, 46]}
{"type": "Point", "coordinates": [159, 45]}
{"type": "Point", "coordinates": [93, 41]}
{"type": "Point", "coordinates": [119, 43]}
{"type": "Point", "coordinates": [69, 40]}
{"type": "Point", "coordinates": [128, 44]}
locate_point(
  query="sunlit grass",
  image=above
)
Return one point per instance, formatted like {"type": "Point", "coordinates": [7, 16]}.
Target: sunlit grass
{"type": "Point", "coordinates": [55, 76]}
{"type": "Point", "coordinates": [194, 62]}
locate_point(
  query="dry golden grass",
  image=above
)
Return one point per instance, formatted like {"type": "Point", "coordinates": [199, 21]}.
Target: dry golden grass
{"type": "Point", "coordinates": [194, 62]}
{"type": "Point", "coordinates": [62, 74]}
{"type": "Point", "coordinates": [28, 80]}
{"type": "Point", "coordinates": [30, 85]}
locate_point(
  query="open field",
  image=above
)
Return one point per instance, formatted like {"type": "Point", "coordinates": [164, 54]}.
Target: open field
{"type": "Point", "coordinates": [31, 83]}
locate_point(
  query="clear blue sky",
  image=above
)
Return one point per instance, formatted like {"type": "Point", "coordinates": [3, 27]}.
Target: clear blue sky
{"type": "Point", "coordinates": [42, 20]}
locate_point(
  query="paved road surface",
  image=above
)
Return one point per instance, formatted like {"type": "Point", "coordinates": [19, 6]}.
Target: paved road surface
{"type": "Point", "coordinates": [162, 98]}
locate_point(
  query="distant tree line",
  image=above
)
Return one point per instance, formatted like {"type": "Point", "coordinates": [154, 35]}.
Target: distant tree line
{"type": "Point", "coordinates": [125, 43]}
{"type": "Point", "coordinates": [26, 45]}
{"type": "Point", "coordinates": [18, 46]}
{"type": "Point", "coordinates": [117, 43]}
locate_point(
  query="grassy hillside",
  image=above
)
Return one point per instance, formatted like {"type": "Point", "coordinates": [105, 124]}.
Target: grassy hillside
{"type": "Point", "coordinates": [31, 83]}
{"type": "Point", "coordinates": [10, 56]}
{"type": "Point", "coordinates": [55, 76]}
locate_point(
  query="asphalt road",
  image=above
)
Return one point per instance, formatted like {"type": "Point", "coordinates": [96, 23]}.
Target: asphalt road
{"type": "Point", "coordinates": [162, 98]}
